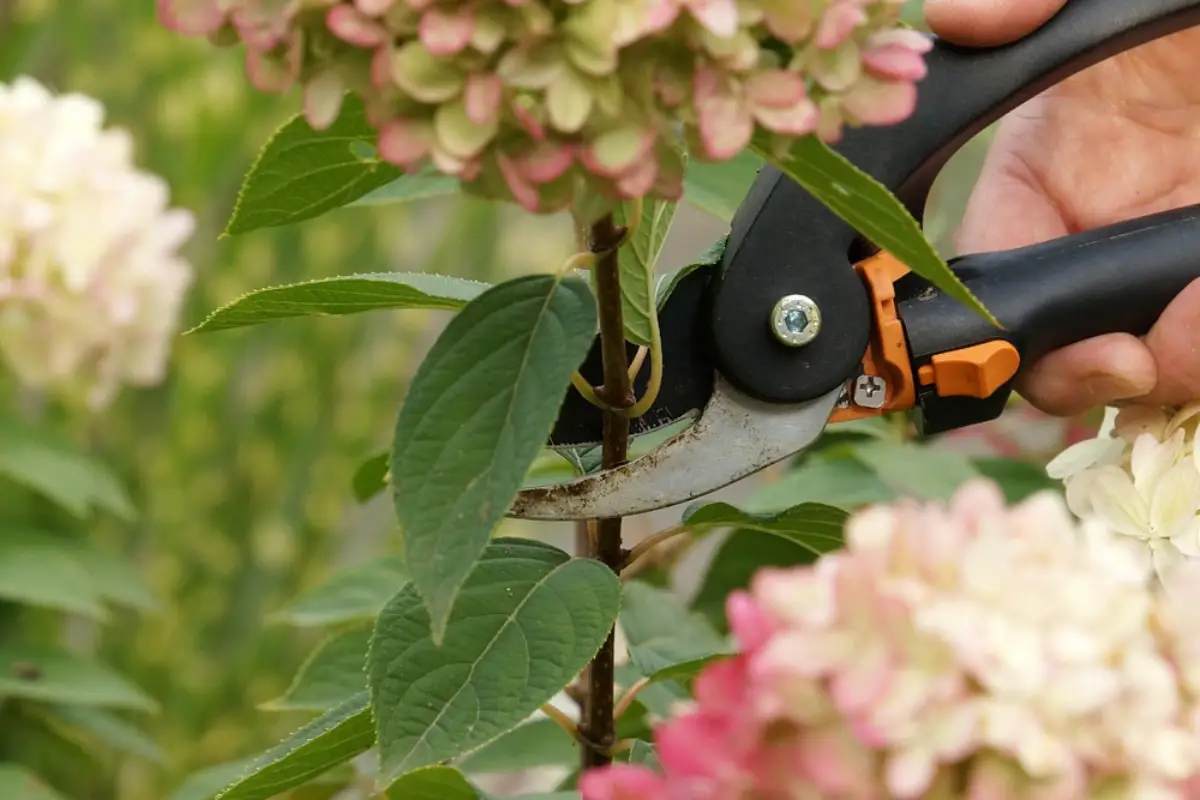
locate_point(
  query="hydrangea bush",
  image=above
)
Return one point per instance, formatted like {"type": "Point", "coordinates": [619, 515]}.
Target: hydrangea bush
{"type": "Point", "coordinates": [950, 650]}
{"type": "Point", "coordinates": [91, 279]}
{"type": "Point", "coordinates": [91, 284]}
{"type": "Point", "coordinates": [1140, 476]}
{"type": "Point", "coordinates": [548, 103]}
{"type": "Point", "coordinates": [975, 650]}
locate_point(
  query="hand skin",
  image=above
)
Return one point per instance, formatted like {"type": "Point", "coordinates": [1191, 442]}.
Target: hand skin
{"type": "Point", "coordinates": [1042, 180]}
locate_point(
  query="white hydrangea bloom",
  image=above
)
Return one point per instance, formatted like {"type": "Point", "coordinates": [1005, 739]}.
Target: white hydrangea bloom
{"type": "Point", "coordinates": [91, 283]}
{"type": "Point", "coordinates": [1140, 477]}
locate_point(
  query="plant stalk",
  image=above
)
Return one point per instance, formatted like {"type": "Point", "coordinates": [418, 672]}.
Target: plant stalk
{"type": "Point", "coordinates": [597, 730]}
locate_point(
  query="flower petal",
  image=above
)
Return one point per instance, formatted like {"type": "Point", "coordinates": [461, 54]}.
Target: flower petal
{"type": "Point", "coordinates": [1187, 541]}
{"type": "Point", "coordinates": [446, 33]}
{"type": "Point", "coordinates": [1167, 559]}
{"type": "Point", "coordinates": [1149, 459]}
{"type": "Point", "coordinates": [724, 122]}
{"type": "Point", "coordinates": [1118, 503]}
{"type": "Point", "coordinates": [719, 16]}
{"type": "Point", "coordinates": [1175, 500]}
{"type": "Point", "coordinates": [191, 17]}
{"type": "Point", "coordinates": [323, 99]}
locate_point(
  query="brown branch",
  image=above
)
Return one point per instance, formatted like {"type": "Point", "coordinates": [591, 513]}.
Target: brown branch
{"type": "Point", "coordinates": [597, 729]}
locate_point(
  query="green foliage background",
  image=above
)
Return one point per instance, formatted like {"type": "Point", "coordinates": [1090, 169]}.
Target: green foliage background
{"type": "Point", "coordinates": [242, 462]}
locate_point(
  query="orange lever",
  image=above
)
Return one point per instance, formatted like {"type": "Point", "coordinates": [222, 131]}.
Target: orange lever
{"type": "Point", "coordinates": [887, 383]}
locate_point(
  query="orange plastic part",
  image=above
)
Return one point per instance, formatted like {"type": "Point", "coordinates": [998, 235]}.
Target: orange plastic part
{"type": "Point", "coordinates": [887, 353]}
{"type": "Point", "coordinates": [975, 371]}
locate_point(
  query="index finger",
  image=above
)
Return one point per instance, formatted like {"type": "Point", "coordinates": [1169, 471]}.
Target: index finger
{"type": "Point", "coordinates": [988, 23]}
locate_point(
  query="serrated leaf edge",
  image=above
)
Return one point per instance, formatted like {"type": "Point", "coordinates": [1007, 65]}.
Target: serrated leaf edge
{"type": "Point", "coordinates": [274, 705]}
{"type": "Point", "coordinates": [254, 768]}
{"type": "Point", "coordinates": [764, 153]}
{"type": "Point", "coordinates": [381, 277]}
{"type": "Point", "coordinates": [500, 542]}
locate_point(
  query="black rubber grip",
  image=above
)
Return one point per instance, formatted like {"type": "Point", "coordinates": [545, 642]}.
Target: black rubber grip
{"type": "Point", "coordinates": [785, 241]}
{"type": "Point", "coordinates": [1116, 279]}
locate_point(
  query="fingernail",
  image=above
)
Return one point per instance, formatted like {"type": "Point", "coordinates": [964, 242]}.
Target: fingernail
{"type": "Point", "coordinates": [1107, 388]}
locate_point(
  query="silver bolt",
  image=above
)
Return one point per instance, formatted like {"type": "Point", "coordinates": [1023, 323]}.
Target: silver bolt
{"type": "Point", "coordinates": [870, 391]}
{"type": "Point", "coordinates": [795, 320]}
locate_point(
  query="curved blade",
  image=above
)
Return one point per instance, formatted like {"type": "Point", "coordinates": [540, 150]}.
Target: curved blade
{"type": "Point", "coordinates": [735, 436]}
{"type": "Point", "coordinates": [687, 382]}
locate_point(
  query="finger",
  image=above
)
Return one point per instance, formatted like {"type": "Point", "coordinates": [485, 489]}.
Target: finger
{"type": "Point", "coordinates": [1009, 209]}
{"type": "Point", "coordinates": [1096, 372]}
{"type": "Point", "coordinates": [988, 23]}
{"type": "Point", "coordinates": [1174, 342]}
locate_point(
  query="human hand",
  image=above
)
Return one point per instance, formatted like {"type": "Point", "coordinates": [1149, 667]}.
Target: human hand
{"type": "Point", "coordinates": [1140, 112]}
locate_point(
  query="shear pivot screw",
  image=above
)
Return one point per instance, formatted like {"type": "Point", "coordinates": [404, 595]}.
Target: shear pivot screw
{"type": "Point", "coordinates": [795, 320]}
{"type": "Point", "coordinates": [870, 391]}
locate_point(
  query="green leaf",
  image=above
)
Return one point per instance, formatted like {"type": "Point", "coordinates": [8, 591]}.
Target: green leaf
{"type": "Point", "coordinates": [659, 698]}
{"type": "Point", "coordinates": [301, 173]}
{"type": "Point", "coordinates": [41, 461]}
{"type": "Point", "coordinates": [478, 411]}
{"type": "Point", "coordinates": [720, 188]}
{"type": "Point", "coordinates": [342, 295]}
{"type": "Point", "coordinates": [331, 739]}
{"type": "Point", "coordinates": [207, 783]}
{"type": "Point", "coordinates": [710, 257]}
{"type": "Point", "coordinates": [57, 677]}
{"type": "Point", "coordinates": [813, 525]}
{"type": "Point", "coordinates": [1018, 479]}
{"type": "Point", "coordinates": [332, 673]}
{"type": "Point", "coordinates": [552, 467]}
{"type": "Point", "coordinates": [538, 743]}
{"type": "Point", "coordinates": [661, 632]}
{"type": "Point", "coordinates": [637, 259]}
{"type": "Point", "coordinates": [115, 579]}
{"type": "Point", "coordinates": [355, 594]}
{"type": "Point", "coordinates": [528, 619]}
{"type": "Point", "coordinates": [874, 212]}
{"type": "Point", "coordinates": [93, 727]}
{"type": "Point", "coordinates": [914, 470]}
{"type": "Point", "coordinates": [371, 477]}
{"type": "Point", "coordinates": [40, 570]}
{"type": "Point", "coordinates": [833, 480]}
{"type": "Point", "coordinates": [734, 564]}
{"type": "Point", "coordinates": [423, 185]}
{"type": "Point", "coordinates": [432, 783]}
{"type": "Point", "coordinates": [50, 570]}
{"type": "Point", "coordinates": [18, 783]}
{"type": "Point", "coordinates": [642, 752]}
{"type": "Point", "coordinates": [685, 672]}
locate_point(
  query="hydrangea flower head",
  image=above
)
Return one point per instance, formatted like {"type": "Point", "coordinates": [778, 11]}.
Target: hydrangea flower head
{"type": "Point", "coordinates": [91, 282]}
{"type": "Point", "coordinates": [1140, 476]}
{"type": "Point", "coordinates": [969, 650]}
{"type": "Point", "coordinates": [537, 101]}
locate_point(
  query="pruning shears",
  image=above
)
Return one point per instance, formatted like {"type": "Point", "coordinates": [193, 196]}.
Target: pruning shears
{"type": "Point", "coordinates": [802, 323]}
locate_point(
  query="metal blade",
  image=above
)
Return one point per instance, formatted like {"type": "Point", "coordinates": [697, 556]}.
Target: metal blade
{"type": "Point", "coordinates": [735, 436]}
{"type": "Point", "coordinates": [687, 382]}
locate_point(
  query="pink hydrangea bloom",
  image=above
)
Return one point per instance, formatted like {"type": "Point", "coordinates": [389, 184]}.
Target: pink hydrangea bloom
{"type": "Point", "coordinates": [962, 650]}
{"type": "Point", "coordinates": [537, 102]}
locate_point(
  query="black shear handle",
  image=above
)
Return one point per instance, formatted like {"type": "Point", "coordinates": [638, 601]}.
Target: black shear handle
{"type": "Point", "coordinates": [1116, 279]}
{"type": "Point", "coordinates": [784, 241]}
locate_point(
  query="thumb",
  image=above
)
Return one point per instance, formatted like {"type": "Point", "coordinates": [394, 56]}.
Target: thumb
{"type": "Point", "coordinates": [988, 23]}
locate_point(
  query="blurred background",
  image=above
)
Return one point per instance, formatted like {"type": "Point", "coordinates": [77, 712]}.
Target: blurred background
{"type": "Point", "coordinates": [241, 463]}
